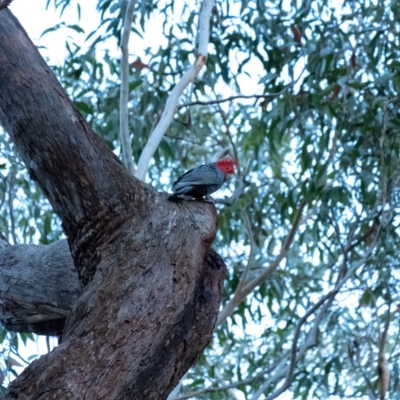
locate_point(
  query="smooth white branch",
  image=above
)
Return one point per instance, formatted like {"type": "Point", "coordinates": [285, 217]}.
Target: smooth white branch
{"type": "Point", "coordinates": [173, 98]}
{"type": "Point", "coordinates": [124, 92]}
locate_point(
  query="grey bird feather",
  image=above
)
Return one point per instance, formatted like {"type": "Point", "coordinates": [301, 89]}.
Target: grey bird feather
{"type": "Point", "coordinates": [203, 180]}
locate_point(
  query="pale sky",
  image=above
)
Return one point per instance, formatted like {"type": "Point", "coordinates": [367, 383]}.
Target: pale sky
{"type": "Point", "coordinates": [35, 19]}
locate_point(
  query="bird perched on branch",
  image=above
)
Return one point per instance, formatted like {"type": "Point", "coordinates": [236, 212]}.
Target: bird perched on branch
{"type": "Point", "coordinates": [204, 180]}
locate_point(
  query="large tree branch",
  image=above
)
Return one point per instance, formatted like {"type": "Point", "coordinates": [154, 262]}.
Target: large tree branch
{"type": "Point", "coordinates": [172, 101]}
{"type": "Point", "coordinates": [62, 153]}
{"type": "Point", "coordinates": [54, 124]}
{"type": "Point", "coordinates": [153, 283]}
{"type": "Point", "coordinates": [38, 286]}
{"type": "Point", "coordinates": [163, 327]}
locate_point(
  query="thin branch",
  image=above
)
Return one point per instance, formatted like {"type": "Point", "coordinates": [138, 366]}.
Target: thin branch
{"type": "Point", "coordinates": [326, 301]}
{"type": "Point", "coordinates": [231, 391]}
{"type": "Point", "coordinates": [14, 351]}
{"type": "Point", "coordinates": [396, 342]}
{"type": "Point", "coordinates": [233, 385]}
{"type": "Point", "coordinates": [124, 92]}
{"type": "Point", "coordinates": [336, 228]}
{"type": "Point", "coordinates": [365, 376]}
{"type": "Point", "coordinates": [172, 101]}
{"type": "Point", "coordinates": [231, 98]}
{"type": "Point", "coordinates": [3, 242]}
{"type": "Point", "coordinates": [246, 290]}
{"type": "Point", "coordinates": [383, 365]}
{"type": "Point", "coordinates": [252, 255]}
{"type": "Point", "coordinates": [174, 394]}
{"type": "Point", "coordinates": [3, 195]}
{"type": "Point", "coordinates": [284, 251]}
{"type": "Point", "coordinates": [331, 154]}
{"type": "Point", "coordinates": [242, 96]}
{"type": "Point", "coordinates": [295, 355]}
{"type": "Point", "coordinates": [48, 343]}
{"type": "Point", "coordinates": [227, 127]}
{"type": "Point", "coordinates": [213, 390]}
{"type": "Point", "coordinates": [11, 194]}
{"type": "Point", "coordinates": [220, 154]}
{"type": "Point", "coordinates": [183, 139]}
{"type": "Point", "coordinates": [308, 343]}
{"type": "Point", "coordinates": [239, 190]}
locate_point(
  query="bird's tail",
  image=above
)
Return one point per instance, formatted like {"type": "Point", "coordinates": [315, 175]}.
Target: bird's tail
{"type": "Point", "coordinates": [173, 197]}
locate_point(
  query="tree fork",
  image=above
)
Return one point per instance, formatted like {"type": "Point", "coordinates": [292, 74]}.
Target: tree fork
{"type": "Point", "coordinates": [152, 282]}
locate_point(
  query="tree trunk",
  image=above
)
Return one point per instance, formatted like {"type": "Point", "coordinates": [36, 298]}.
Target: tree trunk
{"type": "Point", "coordinates": [152, 282]}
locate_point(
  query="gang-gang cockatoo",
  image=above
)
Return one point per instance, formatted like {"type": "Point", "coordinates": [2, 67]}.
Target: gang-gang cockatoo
{"type": "Point", "coordinates": [204, 180]}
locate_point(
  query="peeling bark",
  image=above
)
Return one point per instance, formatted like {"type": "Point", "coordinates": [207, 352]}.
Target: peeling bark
{"type": "Point", "coordinates": [152, 283]}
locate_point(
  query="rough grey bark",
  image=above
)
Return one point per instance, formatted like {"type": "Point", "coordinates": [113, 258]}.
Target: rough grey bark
{"type": "Point", "coordinates": [38, 286]}
{"type": "Point", "coordinates": [153, 284]}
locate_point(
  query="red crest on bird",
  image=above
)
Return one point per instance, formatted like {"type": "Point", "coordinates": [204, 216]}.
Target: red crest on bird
{"type": "Point", "coordinates": [227, 165]}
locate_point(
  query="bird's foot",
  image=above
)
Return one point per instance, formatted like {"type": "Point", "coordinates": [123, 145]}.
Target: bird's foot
{"type": "Point", "coordinates": [180, 197]}
{"type": "Point", "coordinates": [208, 199]}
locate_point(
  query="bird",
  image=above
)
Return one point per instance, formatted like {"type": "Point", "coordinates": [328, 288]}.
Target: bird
{"type": "Point", "coordinates": [204, 179]}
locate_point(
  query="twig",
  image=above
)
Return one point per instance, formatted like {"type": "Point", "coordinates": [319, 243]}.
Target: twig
{"type": "Point", "coordinates": [174, 394]}
{"type": "Point", "coordinates": [367, 380]}
{"type": "Point", "coordinates": [183, 139]}
{"type": "Point", "coordinates": [172, 101]}
{"type": "Point", "coordinates": [336, 228]}
{"type": "Point", "coordinates": [231, 391]}
{"type": "Point", "coordinates": [227, 127]}
{"type": "Point", "coordinates": [220, 154]}
{"type": "Point", "coordinates": [231, 98]}
{"type": "Point", "coordinates": [238, 295]}
{"type": "Point", "coordinates": [250, 286]}
{"type": "Point", "coordinates": [213, 389]}
{"type": "Point", "coordinates": [242, 96]}
{"type": "Point", "coordinates": [124, 92]}
{"type": "Point", "coordinates": [15, 352]}
{"type": "Point", "coordinates": [284, 251]}
{"type": "Point", "coordinates": [239, 190]}
{"type": "Point", "coordinates": [5, 3]}
{"type": "Point", "coordinates": [234, 384]}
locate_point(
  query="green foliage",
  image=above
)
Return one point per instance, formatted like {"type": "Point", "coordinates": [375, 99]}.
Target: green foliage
{"type": "Point", "coordinates": [326, 133]}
